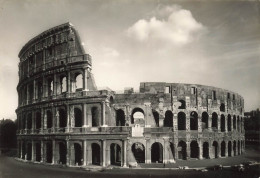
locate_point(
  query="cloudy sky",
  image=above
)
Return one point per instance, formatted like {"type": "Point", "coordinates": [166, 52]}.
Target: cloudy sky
{"type": "Point", "coordinates": [213, 43]}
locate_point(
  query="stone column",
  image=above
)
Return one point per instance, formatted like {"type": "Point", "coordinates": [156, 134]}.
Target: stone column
{"type": "Point", "coordinates": [28, 94]}
{"type": "Point", "coordinates": [34, 90]}
{"type": "Point", "coordinates": [68, 153]}
{"type": "Point", "coordinates": [43, 59]}
{"type": "Point", "coordinates": [200, 150]}
{"type": "Point", "coordinates": [72, 154]}
{"type": "Point", "coordinates": [125, 153]}
{"type": "Point", "coordinates": [226, 149]}
{"type": "Point", "coordinates": [68, 117]}
{"type": "Point", "coordinates": [42, 152]}
{"type": "Point", "coordinates": [84, 110]}
{"type": "Point", "coordinates": [33, 151]}
{"type": "Point", "coordinates": [42, 119]}
{"type": "Point", "coordinates": [147, 151]}
{"type": "Point", "coordinates": [57, 116]}
{"type": "Point", "coordinates": [85, 79]}
{"type": "Point", "coordinates": [199, 123]}
{"type": "Point", "coordinates": [188, 149]}
{"type": "Point", "coordinates": [85, 153]}
{"type": "Point", "coordinates": [187, 122]}
{"type": "Point", "coordinates": [210, 122]}
{"type": "Point", "coordinates": [226, 123]}
{"type": "Point", "coordinates": [68, 83]}
{"type": "Point", "coordinates": [54, 85]}
{"type": "Point", "coordinates": [53, 111]}
{"type": "Point", "coordinates": [104, 153]}
{"type": "Point", "coordinates": [45, 119]}
{"type": "Point", "coordinates": [103, 114]}
{"type": "Point", "coordinates": [21, 151]}
{"type": "Point", "coordinates": [54, 152]}
{"type": "Point", "coordinates": [33, 121]}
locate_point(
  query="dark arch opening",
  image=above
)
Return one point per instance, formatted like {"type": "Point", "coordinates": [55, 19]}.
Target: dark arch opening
{"type": "Point", "coordinates": [95, 153]}
{"type": "Point", "coordinates": [95, 117]}
{"type": "Point", "coordinates": [49, 152]}
{"type": "Point", "coordinates": [78, 154]}
{"type": "Point", "coordinates": [214, 121]}
{"type": "Point", "coordinates": [194, 149]}
{"type": "Point", "coordinates": [234, 122]}
{"type": "Point", "coordinates": [62, 118]}
{"type": "Point", "coordinates": [156, 118]}
{"type": "Point", "coordinates": [229, 122]}
{"type": "Point", "coordinates": [172, 149]}
{"type": "Point", "coordinates": [29, 121]}
{"type": "Point", "coordinates": [238, 147]}
{"type": "Point", "coordinates": [229, 148]}
{"type": "Point", "coordinates": [215, 149]}
{"type": "Point", "coordinates": [120, 117]}
{"type": "Point", "coordinates": [193, 121]}
{"type": "Point", "coordinates": [38, 152]}
{"type": "Point", "coordinates": [38, 120]}
{"type": "Point", "coordinates": [115, 154]}
{"type": "Point", "coordinates": [183, 104]}
{"type": "Point", "coordinates": [23, 150]}
{"type": "Point", "coordinates": [205, 150]}
{"type": "Point", "coordinates": [223, 125]}
{"type": "Point", "coordinates": [49, 119]}
{"type": "Point", "coordinates": [63, 152]}
{"type": "Point", "coordinates": [168, 120]}
{"type": "Point", "coordinates": [181, 121]}
{"type": "Point", "coordinates": [137, 116]}
{"type": "Point", "coordinates": [29, 151]}
{"type": "Point", "coordinates": [234, 148]}
{"type": "Point", "coordinates": [223, 149]}
{"type": "Point", "coordinates": [157, 152]}
{"type": "Point", "coordinates": [182, 154]}
{"type": "Point", "coordinates": [222, 107]}
{"type": "Point", "coordinates": [78, 117]}
{"type": "Point", "coordinates": [138, 150]}
{"type": "Point", "coordinates": [205, 120]}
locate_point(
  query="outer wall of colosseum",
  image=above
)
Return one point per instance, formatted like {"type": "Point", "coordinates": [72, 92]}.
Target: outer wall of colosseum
{"type": "Point", "coordinates": [64, 119]}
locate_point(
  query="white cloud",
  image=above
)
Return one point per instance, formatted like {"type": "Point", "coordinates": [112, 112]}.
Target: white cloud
{"type": "Point", "coordinates": [179, 28]}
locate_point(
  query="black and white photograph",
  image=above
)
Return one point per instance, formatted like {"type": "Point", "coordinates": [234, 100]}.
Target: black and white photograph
{"type": "Point", "coordinates": [129, 88]}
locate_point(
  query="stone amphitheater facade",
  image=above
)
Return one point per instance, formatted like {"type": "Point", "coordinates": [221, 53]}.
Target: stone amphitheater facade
{"type": "Point", "coordinates": [64, 119]}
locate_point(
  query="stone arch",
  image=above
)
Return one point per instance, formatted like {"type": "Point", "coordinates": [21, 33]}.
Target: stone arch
{"type": "Point", "coordinates": [63, 84]}
{"type": "Point", "coordinates": [194, 149]}
{"type": "Point", "coordinates": [156, 117]}
{"type": "Point", "coordinates": [205, 150]}
{"type": "Point", "coordinates": [62, 152]}
{"type": "Point", "coordinates": [50, 86]}
{"type": "Point", "coordinates": [78, 153]}
{"type": "Point", "coordinates": [137, 116]}
{"type": "Point", "coordinates": [49, 151]}
{"type": "Point", "coordinates": [49, 119]}
{"type": "Point", "coordinates": [62, 118]}
{"type": "Point", "coordinates": [222, 123]}
{"type": "Point", "coordinates": [78, 81]}
{"type": "Point", "coordinates": [182, 150]}
{"type": "Point", "coordinates": [157, 152]}
{"type": "Point", "coordinates": [238, 124]}
{"type": "Point", "coordinates": [95, 117]}
{"type": "Point", "coordinates": [120, 117]}
{"type": "Point", "coordinates": [23, 150]}
{"type": "Point", "coordinates": [229, 148]}
{"type": "Point", "coordinates": [223, 149]}
{"type": "Point", "coordinates": [215, 149]}
{"type": "Point", "coordinates": [29, 151]}
{"type": "Point", "coordinates": [168, 120]}
{"type": "Point", "coordinates": [229, 122]}
{"type": "Point", "coordinates": [193, 120]}
{"type": "Point", "coordinates": [234, 122]}
{"type": "Point", "coordinates": [183, 104]}
{"type": "Point", "coordinates": [38, 151]}
{"type": "Point", "coordinates": [138, 151]}
{"type": "Point", "coordinates": [238, 147]}
{"type": "Point", "coordinates": [214, 121]}
{"type": "Point", "coordinates": [181, 121]}
{"type": "Point", "coordinates": [234, 148]}
{"type": "Point", "coordinates": [78, 117]}
{"type": "Point", "coordinates": [222, 107]}
{"type": "Point", "coordinates": [96, 152]}
{"type": "Point", "coordinates": [205, 120]}
{"type": "Point", "coordinates": [38, 120]}
{"type": "Point", "coordinates": [29, 120]}
{"type": "Point", "coordinates": [115, 154]}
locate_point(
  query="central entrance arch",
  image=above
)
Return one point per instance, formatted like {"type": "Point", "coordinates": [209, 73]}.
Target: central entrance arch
{"type": "Point", "coordinates": [95, 153]}
{"type": "Point", "coordinates": [138, 150]}
{"type": "Point", "coordinates": [115, 154]}
{"type": "Point", "coordinates": [157, 152]}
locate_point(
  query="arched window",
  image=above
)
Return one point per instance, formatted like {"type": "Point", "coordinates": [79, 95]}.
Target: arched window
{"type": "Point", "coordinates": [222, 107]}
{"type": "Point", "coordinates": [157, 152]}
{"type": "Point", "coordinates": [205, 120]}
{"type": "Point", "coordinates": [168, 120]}
{"type": "Point", "coordinates": [181, 121]}
{"type": "Point", "coordinates": [194, 149]}
{"type": "Point", "coordinates": [182, 148]}
{"type": "Point", "coordinates": [223, 125]}
{"type": "Point", "coordinates": [78, 154]}
{"type": "Point", "coordinates": [214, 121]}
{"type": "Point", "coordinates": [62, 118]}
{"type": "Point", "coordinates": [137, 116]}
{"type": "Point", "coordinates": [49, 119]}
{"type": "Point", "coordinates": [229, 122]}
{"type": "Point", "coordinates": [120, 117]}
{"type": "Point", "coordinates": [138, 150]}
{"type": "Point", "coordinates": [95, 154]}
{"type": "Point", "coordinates": [95, 117]}
{"type": "Point", "coordinates": [223, 149]}
{"type": "Point", "coordinates": [234, 122]}
{"type": "Point", "coordinates": [205, 150]}
{"type": "Point", "coordinates": [38, 120]}
{"type": "Point", "coordinates": [193, 121]}
{"type": "Point", "coordinates": [63, 84]}
{"type": "Point", "coordinates": [156, 118]}
{"type": "Point", "coordinates": [50, 87]}
{"type": "Point", "coordinates": [79, 81]}
{"type": "Point", "coordinates": [115, 154]}
{"type": "Point", "coordinates": [78, 117]}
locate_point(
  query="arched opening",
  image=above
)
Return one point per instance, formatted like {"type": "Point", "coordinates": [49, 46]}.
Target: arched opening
{"type": "Point", "coordinates": [120, 117]}
{"type": "Point", "coordinates": [111, 101]}
{"type": "Point", "coordinates": [78, 117]}
{"type": "Point", "coordinates": [62, 118]}
{"type": "Point", "coordinates": [95, 153]}
{"type": "Point", "coordinates": [234, 122]}
{"type": "Point", "coordinates": [31, 92]}
{"type": "Point", "coordinates": [183, 104]}
{"type": "Point", "coordinates": [238, 124]}
{"type": "Point", "coordinates": [156, 118]}
{"type": "Point", "coordinates": [172, 149]}
{"type": "Point", "coordinates": [238, 147]}
{"type": "Point", "coordinates": [50, 87]}
{"type": "Point", "coordinates": [29, 121]}
{"type": "Point", "coordinates": [222, 120]}
{"type": "Point", "coordinates": [205, 150]}
{"type": "Point", "coordinates": [78, 154]}
{"type": "Point", "coordinates": [38, 151]}
{"type": "Point", "coordinates": [205, 120]}
{"type": "Point", "coordinates": [157, 152]}
{"type": "Point", "coordinates": [215, 149]}
{"type": "Point", "coordinates": [229, 148]}
{"type": "Point", "coordinates": [38, 120]}
{"type": "Point", "coordinates": [115, 154]}
{"type": "Point", "coordinates": [49, 119]}
{"type": "Point", "coordinates": [222, 107]}
{"type": "Point", "coordinates": [181, 121]}
{"type": "Point", "coordinates": [234, 148]}
{"type": "Point", "coordinates": [63, 84]}
{"type": "Point", "coordinates": [137, 117]}
{"type": "Point", "coordinates": [39, 90]}
{"type": "Point", "coordinates": [182, 154]}
{"type": "Point", "coordinates": [49, 152]}
{"type": "Point", "coordinates": [63, 152]}
{"type": "Point", "coordinates": [79, 81]}
{"type": "Point", "coordinates": [168, 120]}
{"type": "Point", "coordinates": [23, 150]}
{"type": "Point", "coordinates": [229, 122]}
{"type": "Point", "coordinates": [194, 149]}
{"type": "Point", "coordinates": [29, 151]}
{"type": "Point", "coordinates": [214, 121]}
{"type": "Point", "coordinates": [193, 121]}
{"type": "Point", "coordinates": [95, 117]}
{"type": "Point", "coordinates": [138, 150]}
{"type": "Point", "coordinates": [223, 149]}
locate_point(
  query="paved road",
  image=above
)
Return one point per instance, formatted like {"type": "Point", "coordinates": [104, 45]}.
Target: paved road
{"type": "Point", "coordinates": [11, 168]}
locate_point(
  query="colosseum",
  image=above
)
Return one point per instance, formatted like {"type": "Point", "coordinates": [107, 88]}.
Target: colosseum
{"type": "Point", "coordinates": [64, 119]}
